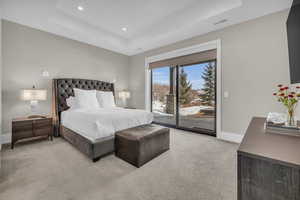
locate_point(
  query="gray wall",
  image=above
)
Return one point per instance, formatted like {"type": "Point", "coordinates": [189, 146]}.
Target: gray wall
{"type": "Point", "coordinates": [254, 61]}
{"type": "Point", "coordinates": [27, 52]}
{"type": "Point", "coordinates": [0, 75]}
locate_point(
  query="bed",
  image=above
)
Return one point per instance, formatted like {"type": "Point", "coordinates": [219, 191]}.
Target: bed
{"type": "Point", "coordinates": [91, 131]}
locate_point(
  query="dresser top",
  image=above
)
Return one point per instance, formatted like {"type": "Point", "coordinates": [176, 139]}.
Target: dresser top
{"type": "Point", "coordinates": [283, 148]}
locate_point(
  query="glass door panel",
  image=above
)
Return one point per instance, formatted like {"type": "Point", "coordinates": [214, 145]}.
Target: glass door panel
{"type": "Point", "coordinates": [164, 95]}
{"type": "Point", "coordinates": [197, 100]}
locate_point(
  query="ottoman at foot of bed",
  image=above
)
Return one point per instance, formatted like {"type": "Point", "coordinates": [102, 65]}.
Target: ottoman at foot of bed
{"type": "Point", "coordinates": [141, 144]}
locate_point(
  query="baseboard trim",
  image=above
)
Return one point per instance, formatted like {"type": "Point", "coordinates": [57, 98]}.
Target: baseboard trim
{"type": "Point", "coordinates": [5, 138]}
{"type": "Point", "coordinates": [231, 137]}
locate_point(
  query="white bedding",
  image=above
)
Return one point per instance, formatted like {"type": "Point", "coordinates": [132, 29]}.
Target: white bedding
{"type": "Point", "coordinates": [98, 123]}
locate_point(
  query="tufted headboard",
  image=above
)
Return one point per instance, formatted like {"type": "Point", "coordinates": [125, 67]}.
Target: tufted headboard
{"type": "Point", "coordinates": [63, 88]}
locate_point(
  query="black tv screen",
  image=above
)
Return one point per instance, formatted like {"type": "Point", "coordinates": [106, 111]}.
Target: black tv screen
{"type": "Point", "coordinates": [293, 30]}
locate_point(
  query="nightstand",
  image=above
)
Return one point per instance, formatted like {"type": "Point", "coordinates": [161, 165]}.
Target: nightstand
{"type": "Point", "coordinates": [29, 128]}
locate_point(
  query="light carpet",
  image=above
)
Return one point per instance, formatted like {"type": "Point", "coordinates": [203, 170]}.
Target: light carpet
{"type": "Point", "coordinates": [197, 167]}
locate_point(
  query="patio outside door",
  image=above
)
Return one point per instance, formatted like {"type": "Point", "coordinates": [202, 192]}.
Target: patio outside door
{"type": "Point", "coordinates": [197, 97]}
{"type": "Point", "coordinates": [185, 96]}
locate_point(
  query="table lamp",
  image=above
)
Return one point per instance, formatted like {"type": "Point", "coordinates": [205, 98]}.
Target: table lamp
{"type": "Point", "coordinates": [34, 95]}
{"type": "Point", "coordinates": [124, 95]}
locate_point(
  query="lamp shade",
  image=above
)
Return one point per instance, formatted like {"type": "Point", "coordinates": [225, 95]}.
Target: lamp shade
{"type": "Point", "coordinates": [124, 94]}
{"type": "Point", "coordinates": [34, 94]}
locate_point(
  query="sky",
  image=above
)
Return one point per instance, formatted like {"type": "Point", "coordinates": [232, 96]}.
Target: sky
{"type": "Point", "coordinates": [194, 72]}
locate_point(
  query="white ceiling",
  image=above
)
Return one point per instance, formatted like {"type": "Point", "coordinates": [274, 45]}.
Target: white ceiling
{"type": "Point", "coordinates": [150, 23]}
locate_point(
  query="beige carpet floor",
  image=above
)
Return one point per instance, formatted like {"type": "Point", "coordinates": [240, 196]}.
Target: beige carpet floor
{"type": "Point", "coordinates": [197, 167]}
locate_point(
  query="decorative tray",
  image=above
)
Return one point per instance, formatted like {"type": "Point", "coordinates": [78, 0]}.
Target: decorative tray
{"type": "Point", "coordinates": [282, 129]}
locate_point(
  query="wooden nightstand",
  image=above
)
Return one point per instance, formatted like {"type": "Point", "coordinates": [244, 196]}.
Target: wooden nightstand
{"type": "Point", "coordinates": [25, 128]}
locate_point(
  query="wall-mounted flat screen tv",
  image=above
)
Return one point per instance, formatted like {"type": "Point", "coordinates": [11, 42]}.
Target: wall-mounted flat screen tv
{"type": "Point", "coordinates": [293, 29]}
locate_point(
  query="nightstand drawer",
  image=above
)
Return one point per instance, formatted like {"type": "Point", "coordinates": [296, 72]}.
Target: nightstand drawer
{"type": "Point", "coordinates": [42, 123]}
{"type": "Point", "coordinates": [43, 131]}
{"type": "Point", "coordinates": [21, 126]}
{"type": "Point", "coordinates": [22, 135]}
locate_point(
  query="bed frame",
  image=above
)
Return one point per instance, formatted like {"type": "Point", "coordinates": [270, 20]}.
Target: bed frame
{"type": "Point", "coordinates": [62, 89]}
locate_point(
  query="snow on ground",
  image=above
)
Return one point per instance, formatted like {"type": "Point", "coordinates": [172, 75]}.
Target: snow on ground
{"type": "Point", "coordinates": [192, 110]}
{"type": "Point", "coordinates": [158, 108]}
{"type": "Point", "coordinates": [161, 113]}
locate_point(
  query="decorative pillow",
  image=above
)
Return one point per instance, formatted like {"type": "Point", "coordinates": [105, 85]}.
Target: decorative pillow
{"type": "Point", "coordinates": [71, 102]}
{"type": "Point", "coordinates": [106, 99]}
{"type": "Point", "coordinates": [86, 98]}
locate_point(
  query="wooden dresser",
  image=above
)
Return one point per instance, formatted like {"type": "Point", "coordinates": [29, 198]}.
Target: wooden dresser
{"type": "Point", "coordinates": [25, 128]}
{"type": "Point", "coordinates": [268, 165]}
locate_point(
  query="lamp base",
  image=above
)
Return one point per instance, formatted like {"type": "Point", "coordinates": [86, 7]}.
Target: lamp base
{"type": "Point", "coordinates": [36, 116]}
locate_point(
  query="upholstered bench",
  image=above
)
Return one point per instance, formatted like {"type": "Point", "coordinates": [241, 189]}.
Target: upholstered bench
{"type": "Point", "coordinates": [141, 144]}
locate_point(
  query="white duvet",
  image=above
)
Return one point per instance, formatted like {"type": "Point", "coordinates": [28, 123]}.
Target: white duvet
{"type": "Point", "coordinates": [98, 123]}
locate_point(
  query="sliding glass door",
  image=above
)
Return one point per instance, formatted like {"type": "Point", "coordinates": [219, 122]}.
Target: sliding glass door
{"type": "Point", "coordinates": [197, 97]}
{"type": "Point", "coordinates": [184, 96]}
{"type": "Point", "coordinates": [164, 95]}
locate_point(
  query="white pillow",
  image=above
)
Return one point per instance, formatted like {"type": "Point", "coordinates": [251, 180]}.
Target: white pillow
{"type": "Point", "coordinates": [71, 102]}
{"type": "Point", "coordinates": [86, 98]}
{"type": "Point", "coordinates": [106, 99]}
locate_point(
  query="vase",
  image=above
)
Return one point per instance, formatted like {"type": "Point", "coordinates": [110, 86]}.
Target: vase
{"type": "Point", "coordinates": [291, 118]}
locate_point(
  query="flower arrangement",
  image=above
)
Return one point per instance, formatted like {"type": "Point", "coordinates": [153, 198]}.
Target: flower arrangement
{"type": "Point", "coordinates": [289, 97]}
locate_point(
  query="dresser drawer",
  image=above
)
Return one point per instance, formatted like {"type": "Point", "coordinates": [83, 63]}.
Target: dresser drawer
{"type": "Point", "coordinates": [251, 192]}
{"type": "Point", "coordinates": [256, 172]}
{"type": "Point", "coordinates": [264, 180]}
{"type": "Point", "coordinates": [286, 181]}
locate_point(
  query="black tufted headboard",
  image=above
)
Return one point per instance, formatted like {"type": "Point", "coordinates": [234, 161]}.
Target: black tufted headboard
{"type": "Point", "coordinates": [63, 88]}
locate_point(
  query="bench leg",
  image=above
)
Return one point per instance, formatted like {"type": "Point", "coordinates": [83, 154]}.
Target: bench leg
{"type": "Point", "coordinates": [96, 159]}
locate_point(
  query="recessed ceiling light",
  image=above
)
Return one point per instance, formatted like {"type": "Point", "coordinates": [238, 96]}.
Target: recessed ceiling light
{"type": "Point", "coordinates": [80, 8]}
{"type": "Point", "coordinates": [124, 29]}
